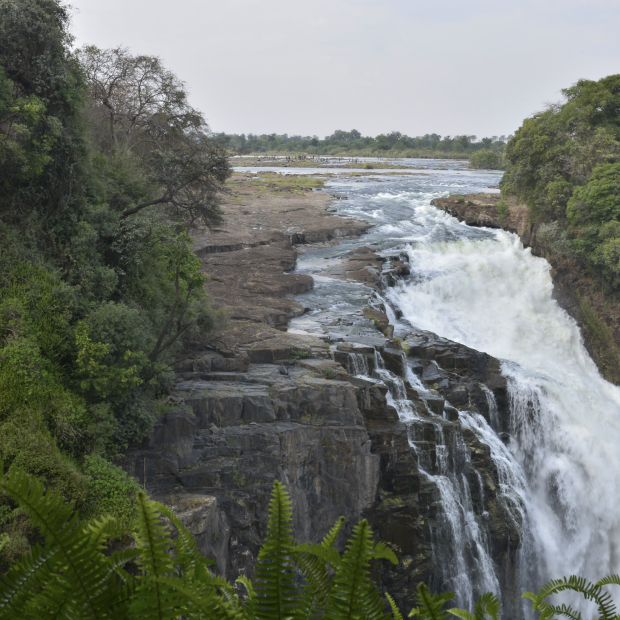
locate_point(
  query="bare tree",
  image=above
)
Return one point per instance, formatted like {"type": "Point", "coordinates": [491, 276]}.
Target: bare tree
{"type": "Point", "coordinates": [139, 107]}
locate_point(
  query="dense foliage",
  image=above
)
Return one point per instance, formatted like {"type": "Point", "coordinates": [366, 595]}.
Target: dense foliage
{"type": "Point", "coordinates": [104, 169]}
{"type": "Point", "coordinates": [564, 163]}
{"type": "Point", "coordinates": [74, 576]}
{"type": "Point", "coordinates": [352, 143]}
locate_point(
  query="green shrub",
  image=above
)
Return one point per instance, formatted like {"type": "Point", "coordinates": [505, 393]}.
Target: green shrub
{"type": "Point", "coordinates": [110, 490]}
{"type": "Point", "coordinates": [329, 372]}
{"type": "Point", "coordinates": [487, 160]}
{"type": "Point", "coordinates": [503, 210]}
{"type": "Point", "coordinates": [298, 353]}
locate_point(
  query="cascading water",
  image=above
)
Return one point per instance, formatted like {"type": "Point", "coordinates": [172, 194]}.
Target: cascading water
{"type": "Point", "coordinates": [461, 550]}
{"type": "Point", "coordinates": [481, 288]}
{"type": "Point", "coordinates": [357, 365]}
{"type": "Point", "coordinates": [495, 296]}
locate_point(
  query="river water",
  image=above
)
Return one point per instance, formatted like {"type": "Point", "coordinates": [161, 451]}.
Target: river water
{"type": "Point", "coordinates": [481, 288]}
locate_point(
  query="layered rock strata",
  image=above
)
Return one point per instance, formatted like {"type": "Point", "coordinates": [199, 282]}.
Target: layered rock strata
{"type": "Point", "coordinates": [255, 404]}
{"type": "Point", "coordinates": [233, 428]}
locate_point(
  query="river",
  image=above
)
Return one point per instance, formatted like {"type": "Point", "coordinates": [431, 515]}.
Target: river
{"type": "Point", "coordinates": [481, 288]}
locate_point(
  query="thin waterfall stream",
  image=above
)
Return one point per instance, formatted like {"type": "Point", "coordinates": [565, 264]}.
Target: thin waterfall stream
{"type": "Point", "coordinates": [559, 464]}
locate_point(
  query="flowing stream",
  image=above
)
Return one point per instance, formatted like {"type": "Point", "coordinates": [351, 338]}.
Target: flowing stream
{"type": "Point", "coordinates": [481, 288]}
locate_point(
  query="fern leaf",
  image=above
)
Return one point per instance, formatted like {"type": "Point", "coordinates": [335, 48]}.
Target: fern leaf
{"type": "Point", "coordinates": [23, 581]}
{"type": "Point", "coordinates": [351, 579]}
{"type": "Point", "coordinates": [609, 580]}
{"type": "Point", "coordinates": [249, 608]}
{"type": "Point", "coordinates": [275, 581]}
{"type": "Point", "coordinates": [395, 611]}
{"type": "Point", "coordinates": [488, 606]}
{"type": "Point", "coordinates": [330, 539]}
{"type": "Point", "coordinates": [430, 606]}
{"type": "Point", "coordinates": [590, 591]}
{"type": "Point", "coordinates": [460, 613]}
{"type": "Point", "coordinates": [152, 600]}
{"type": "Point", "coordinates": [188, 557]}
{"type": "Point", "coordinates": [76, 569]}
{"type": "Point", "coordinates": [383, 552]}
{"type": "Point", "coordinates": [101, 531]}
{"type": "Point", "coordinates": [198, 601]}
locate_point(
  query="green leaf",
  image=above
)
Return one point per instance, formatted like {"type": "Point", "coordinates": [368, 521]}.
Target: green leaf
{"type": "Point", "coordinates": [274, 572]}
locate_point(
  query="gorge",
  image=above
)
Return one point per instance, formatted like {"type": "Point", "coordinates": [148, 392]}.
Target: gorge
{"type": "Point", "coordinates": [469, 443]}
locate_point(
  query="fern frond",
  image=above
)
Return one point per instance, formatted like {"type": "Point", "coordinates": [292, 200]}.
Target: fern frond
{"type": "Point", "coordinates": [430, 606]}
{"type": "Point", "coordinates": [249, 607]}
{"type": "Point", "coordinates": [101, 530]}
{"type": "Point", "coordinates": [152, 600]}
{"type": "Point", "coordinates": [593, 592]}
{"type": "Point", "coordinates": [383, 552]}
{"type": "Point", "coordinates": [552, 611]}
{"type": "Point", "coordinates": [395, 611]}
{"type": "Point", "coordinates": [275, 581]}
{"type": "Point", "coordinates": [488, 606]}
{"type": "Point", "coordinates": [350, 586]}
{"type": "Point", "coordinates": [609, 580]}
{"type": "Point", "coordinates": [23, 581]}
{"type": "Point", "coordinates": [189, 560]}
{"type": "Point", "coordinates": [76, 574]}
{"type": "Point", "coordinates": [330, 539]}
{"type": "Point", "coordinates": [198, 601]}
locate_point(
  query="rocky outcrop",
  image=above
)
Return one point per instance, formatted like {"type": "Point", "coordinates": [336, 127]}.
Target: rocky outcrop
{"type": "Point", "coordinates": [233, 427]}
{"type": "Point", "coordinates": [574, 288]}
{"type": "Point", "coordinates": [254, 404]}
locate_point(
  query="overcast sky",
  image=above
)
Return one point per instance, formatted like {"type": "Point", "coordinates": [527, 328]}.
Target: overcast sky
{"type": "Point", "coordinates": [445, 66]}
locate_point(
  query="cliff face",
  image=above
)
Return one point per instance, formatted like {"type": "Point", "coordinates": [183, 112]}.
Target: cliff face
{"type": "Point", "coordinates": [234, 427]}
{"type": "Point", "coordinates": [575, 290]}
{"type": "Point", "coordinates": [255, 404]}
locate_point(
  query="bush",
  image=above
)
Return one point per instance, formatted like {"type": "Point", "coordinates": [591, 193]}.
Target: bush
{"type": "Point", "coordinates": [487, 160]}
{"type": "Point", "coordinates": [111, 491]}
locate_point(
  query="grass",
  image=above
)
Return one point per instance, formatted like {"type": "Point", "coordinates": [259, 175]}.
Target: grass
{"type": "Point", "coordinates": [329, 372]}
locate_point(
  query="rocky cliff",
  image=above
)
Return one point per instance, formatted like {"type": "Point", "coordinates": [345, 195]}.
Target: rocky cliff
{"type": "Point", "coordinates": [233, 427]}
{"type": "Point", "coordinates": [255, 404]}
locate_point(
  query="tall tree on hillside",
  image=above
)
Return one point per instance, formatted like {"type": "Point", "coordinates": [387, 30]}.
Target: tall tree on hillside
{"type": "Point", "coordinates": [140, 110]}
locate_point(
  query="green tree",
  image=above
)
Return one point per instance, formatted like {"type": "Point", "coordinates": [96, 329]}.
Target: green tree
{"type": "Point", "coordinates": [558, 149]}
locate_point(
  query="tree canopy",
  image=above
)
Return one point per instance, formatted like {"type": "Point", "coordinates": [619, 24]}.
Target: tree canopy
{"type": "Point", "coordinates": [564, 162]}
{"type": "Point", "coordinates": [104, 169]}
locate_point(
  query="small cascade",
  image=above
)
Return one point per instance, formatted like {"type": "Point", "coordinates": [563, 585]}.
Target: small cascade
{"type": "Point", "coordinates": [461, 538]}
{"type": "Point", "coordinates": [460, 545]}
{"type": "Point", "coordinates": [493, 415]}
{"type": "Point", "coordinates": [357, 365]}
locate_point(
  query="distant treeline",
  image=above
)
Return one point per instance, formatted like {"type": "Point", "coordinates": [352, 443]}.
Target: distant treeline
{"type": "Point", "coordinates": [353, 143]}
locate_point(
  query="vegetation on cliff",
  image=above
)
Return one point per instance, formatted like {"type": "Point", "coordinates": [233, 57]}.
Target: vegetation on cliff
{"type": "Point", "coordinates": [104, 168]}
{"type": "Point", "coordinates": [352, 144]}
{"type": "Point", "coordinates": [564, 162]}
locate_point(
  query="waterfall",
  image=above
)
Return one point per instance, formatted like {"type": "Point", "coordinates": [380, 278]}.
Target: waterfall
{"type": "Point", "coordinates": [494, 296]}
{"type": "Point", "coordinates": [560, 466]}
{"type": "Point", "coordinates": [357, 365]}
{"type": "Point", "coordinates": [461, 540]}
